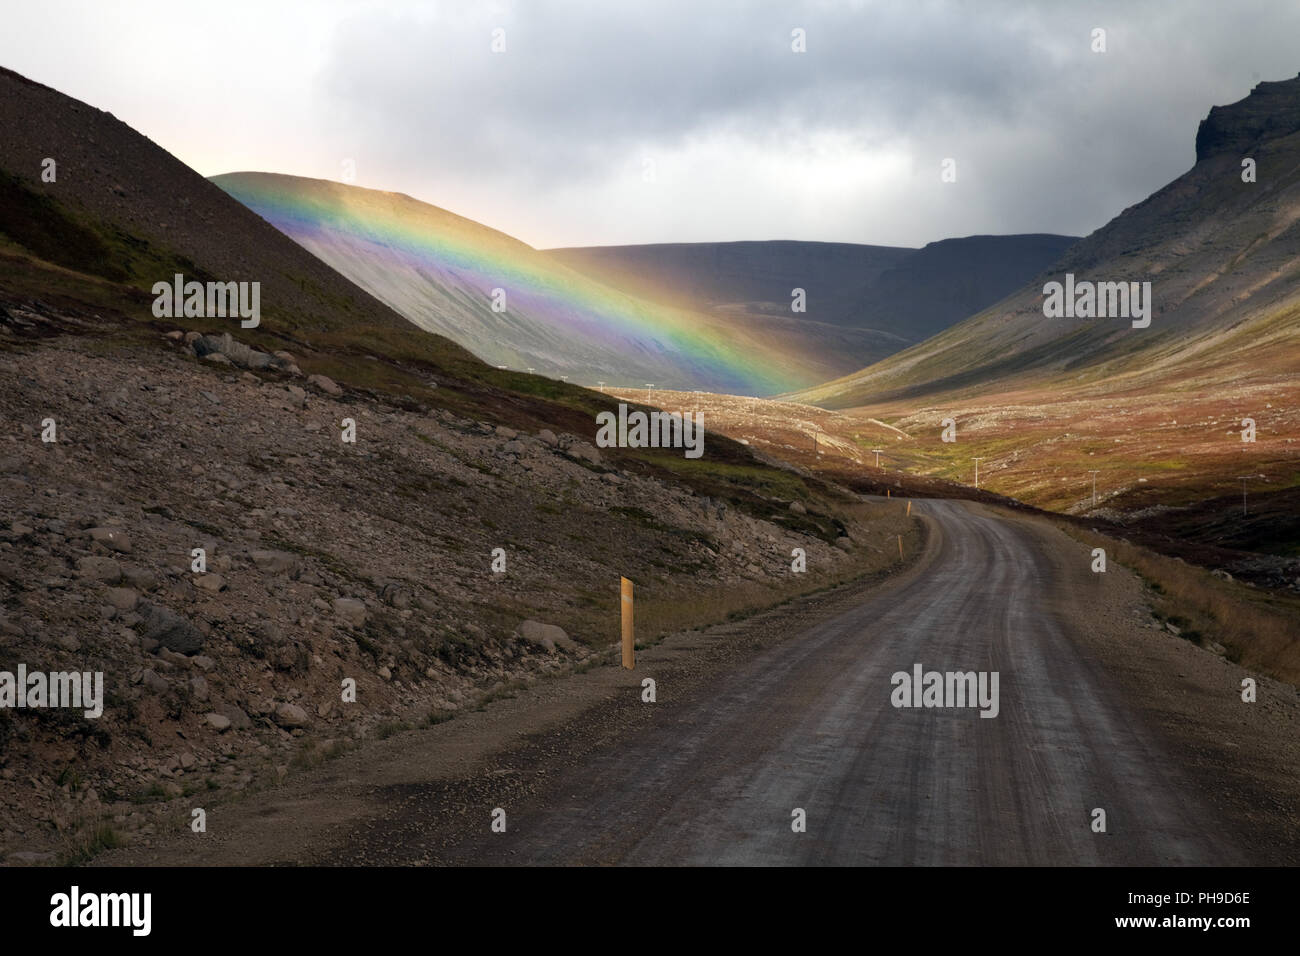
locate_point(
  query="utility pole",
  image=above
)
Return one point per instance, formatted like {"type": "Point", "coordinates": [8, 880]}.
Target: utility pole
{"type": "Point", "coordinates": [1244, 479]}
{"type": "Point", "coordinates": [1093, 472]}
{"type": "Point", "coordinates": [649, 392]}
{"type": "Point", "coordinates": [877, 451]}
{"type": "Point", "coordinates": [601, 386]}
{"type": "Point", "coordinates": [977, 471]}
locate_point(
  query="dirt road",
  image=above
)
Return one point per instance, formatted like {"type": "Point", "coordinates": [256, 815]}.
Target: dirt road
{"type": "Point", "coordinates": [809, 724]}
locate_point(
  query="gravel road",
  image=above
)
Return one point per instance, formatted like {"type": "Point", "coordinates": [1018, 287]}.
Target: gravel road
{"type": "Point", "coordinates": [809, 724]}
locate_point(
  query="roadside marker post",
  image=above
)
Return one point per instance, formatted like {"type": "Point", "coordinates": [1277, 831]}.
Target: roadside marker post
{"type": "Point", "coordinates": [909, 509]}
{"type": "Point", "coordinates": [629, 643]}
{"type": "Point", "coordinates": [900, 545]}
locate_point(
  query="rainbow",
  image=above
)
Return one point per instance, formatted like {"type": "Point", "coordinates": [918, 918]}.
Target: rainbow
{"type": "Point", "coordinates": [395, 235]}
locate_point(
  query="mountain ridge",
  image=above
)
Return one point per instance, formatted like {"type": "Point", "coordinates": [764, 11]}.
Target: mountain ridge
{"type": "Point", "coordinates": [1210, 243]}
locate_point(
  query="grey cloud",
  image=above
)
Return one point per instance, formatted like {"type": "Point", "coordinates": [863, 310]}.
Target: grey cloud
{"type": "Point", "coordinates": [1061, 138]}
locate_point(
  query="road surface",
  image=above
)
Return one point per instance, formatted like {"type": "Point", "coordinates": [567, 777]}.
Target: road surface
{"type": "Point", "coordinates": [809, 724]}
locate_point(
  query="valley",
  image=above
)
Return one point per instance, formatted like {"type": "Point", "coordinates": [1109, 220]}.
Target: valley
{"type": "Point", "coordinates": [330, 490]}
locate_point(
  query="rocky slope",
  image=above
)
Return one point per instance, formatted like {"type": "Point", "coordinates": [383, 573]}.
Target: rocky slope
{"type": "Point", "coordinates": [324, 561]}
{"type": "Point", "coordinates": [130, 442]}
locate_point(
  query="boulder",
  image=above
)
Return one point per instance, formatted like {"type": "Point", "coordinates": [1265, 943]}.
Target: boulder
{"type": "Point", "coordinates": [142, 579]}
{"type": "Point", "coordinates": [124, 599]}
{"type": "Point", "coordinates": [325, 384]}
{"type": "Point", "coordinates": [210, 582]}
{"type": "Point", "coordinates": [155, 682]}
{"type": "Point", "coordinates": [236, 353]}
{"type": "Point", "coordinates": [351, 610]}
{"type": "Point", "coordinates": [169, 629]}
{"type": "Point", "coordinates": [99, 569]}
{"type": "Point", "coordinates": [115, 539]}
{"type": "Point", "coordinates": [218, 722]}
{"type": "Point", "coordinates": [546, 636]}
{"type": "Point", "coordinates": [290, 716]}
{"type": "Point", "coordinates": [581, 451]}
{"type": "Point", "coordinates": [238, 719]}
{"type": "Point", "coordinates": [274, 562]}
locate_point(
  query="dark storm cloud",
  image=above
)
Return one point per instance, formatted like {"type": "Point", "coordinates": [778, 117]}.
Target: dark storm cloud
{"type": "Point", "coordinates": [1048, 135]}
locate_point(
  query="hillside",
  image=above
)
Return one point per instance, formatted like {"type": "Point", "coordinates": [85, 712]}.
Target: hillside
{"type": "Point", "coordinates": [346, 480]}
{"type": "Point", "coordinates": [441, 271]}
{"type": "Point", "coordinates": [950, 280]}
{"type": "Point", "coordinates": [1221, 255]}
{"type": "Point", "coordinates": [904, 295]}
{"type": "Point", "coordinates": [1158, 412]}
{"type": "Point", "coordinates": [741, 277]}
{"type": "Point", "coordinates": [123, 210]}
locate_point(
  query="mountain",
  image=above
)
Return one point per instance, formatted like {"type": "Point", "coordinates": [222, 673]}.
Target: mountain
{"type": "Point", "coordinates": [348, 498]}
{"type": "Point", "coordinates": [1222, 256]}
{"type": "Point", "coordinates": [947, 281]}
{"type": "Point", "coordinates": [122, 209]}
{"type": "Point", "coordinates": [441, 270]}
{"type": "Point", "coordinates": [1155, 413]}
{"type": "Point", "coordinates": [740, 277]}
{"type": "Point", "coordinates": [904, 295]}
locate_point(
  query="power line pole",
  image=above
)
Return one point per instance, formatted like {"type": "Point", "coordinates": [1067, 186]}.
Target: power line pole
{"type": "Point", "coordinates": [1244, 479]}
{"type": "Point", "coordinates": [977, 470]}
{"type": "Point", "coordinates": [1093, 472]}
{"type": "Point", "coordinates": [877, 451]}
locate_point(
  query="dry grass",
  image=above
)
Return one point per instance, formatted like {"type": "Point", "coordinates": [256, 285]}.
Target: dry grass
{"type": "Point", "coordinates": [89, 836]}
{"type": "Point", "coordinates": [1259, 629]}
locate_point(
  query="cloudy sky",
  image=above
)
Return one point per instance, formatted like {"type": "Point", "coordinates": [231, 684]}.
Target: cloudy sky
{"type": "Point", "coordinates": [680, 120]}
